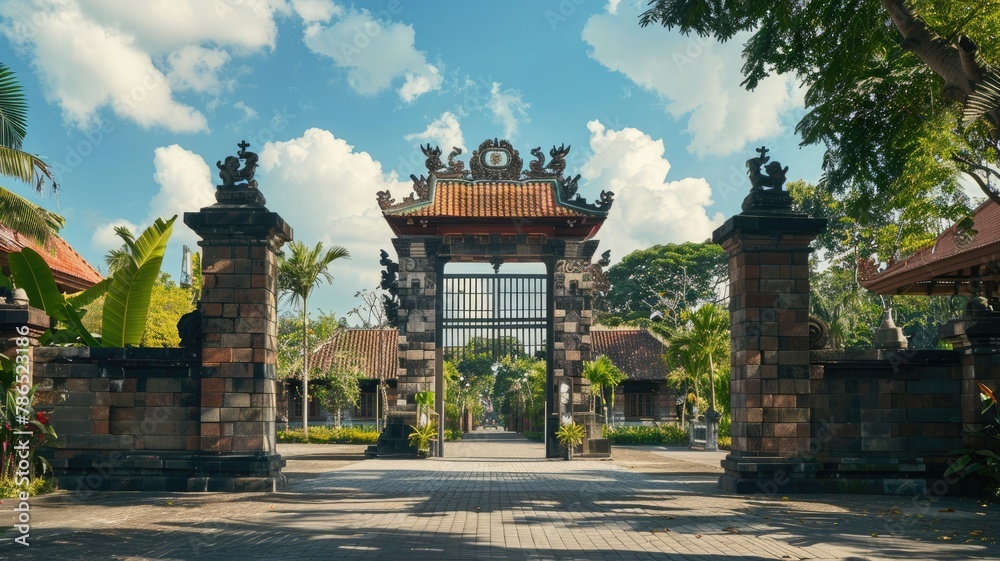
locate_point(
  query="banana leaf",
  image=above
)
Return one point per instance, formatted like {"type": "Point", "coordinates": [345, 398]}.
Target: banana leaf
{"type": "Point", "coordinates": [127, 304]}
{"type": "Point", "coordinates": [87, 297]}
{"type": "Point", "coordinates": [33, 274]}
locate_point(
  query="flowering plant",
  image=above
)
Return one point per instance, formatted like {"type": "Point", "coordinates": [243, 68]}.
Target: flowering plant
{"type": "Point", "coordinates": [22, 429]}
{"type": "Point", "coordinates": [985, 461]}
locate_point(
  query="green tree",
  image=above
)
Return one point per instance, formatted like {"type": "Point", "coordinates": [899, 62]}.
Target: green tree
{"type": "Point", "coordinates": [299, 271]}
{"type": "Point", "coordinates": [701, 347]}
{"type": "Point", "coordinates": [666, 278]}
{"type": "Point", "coordinates": [513, 389]}
{"type": "Point", "coordinates": [291, 341]}
{"type": "Point", "coordinates": [604, 377]}
{"type": "Point", "coordinates": [167, 303]}
{"type": "Point", "coordinates": [887, 84]}
{"type": "Point", "coordinates": [16, 212]}
{"type": "Point", "coordinates": [339, 390]}
{"type": "Point", "coordinates": [127, 292]}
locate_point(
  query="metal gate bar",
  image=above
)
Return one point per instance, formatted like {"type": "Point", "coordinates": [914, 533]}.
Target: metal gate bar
{"type": "Point", "coordinates": [507, 312]}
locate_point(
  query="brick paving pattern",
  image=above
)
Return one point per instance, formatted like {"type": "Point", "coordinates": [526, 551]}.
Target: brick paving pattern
{"type": "Point", "coordinates": [499, 499]}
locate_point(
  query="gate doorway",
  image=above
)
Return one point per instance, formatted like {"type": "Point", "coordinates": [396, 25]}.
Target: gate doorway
{"type": "Point", "coordinates": [493, 211]}
{"type": "Point", "coordinates": [494, 333]}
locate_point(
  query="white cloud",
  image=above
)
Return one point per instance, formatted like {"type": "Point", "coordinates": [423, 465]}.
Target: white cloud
{"type": "Point", "coordinates": [162, 26]}
{"type": "Point", "coordinates": [132, 57]}
{"type": "Point", "coordinates": [312, 11]}
{"type": "Point", "coordinates": [375, 54]}
{"type": "Point", "coordinates": [196, 68]}
{"type": "Point", "coordinates": [443, 131]}
{"type": "Point", "coordinates": [248, 112]}
{"type": "Point", "coordinates": [185, 186]}
{"type": "Point", "coordinates": [104, 238]}
{"type": "Point", "coordinates": [696, 77]}
{"type": "Point", "coordinates": [339, 185]}
{"type": "Point", "coordinates": [509, 109]}
{"type": "Point", "coordinates": [648, 209]}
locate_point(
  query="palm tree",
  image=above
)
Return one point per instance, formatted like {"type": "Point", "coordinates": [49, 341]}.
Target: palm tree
{"type": "Point", "coordinates": [686, 371]}
{"type": "Point", "coordinates": [16, 212]}
{"type": "Point", "coordinates": [603, 374]}
{"type": "Point", "coordinates": [705, 335]}
{"type": "Point", "coordinates": [298, 274]}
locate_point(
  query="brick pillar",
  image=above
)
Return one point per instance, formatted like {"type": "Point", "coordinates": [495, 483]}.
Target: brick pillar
{"type": "Point", "coordinates": [419, 270]}
{"type": "Point", "coordinates": [418, 287]}
{"type": "Point", "coordinates": [240, 244]}
{"type": "Point", "coordinates": [768, 247]}
{"type": "Point", "coordinates": [571, 319]}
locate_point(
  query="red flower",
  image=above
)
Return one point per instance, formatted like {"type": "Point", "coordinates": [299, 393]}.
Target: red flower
{"type": "Point", "coordinates": [43, 417]}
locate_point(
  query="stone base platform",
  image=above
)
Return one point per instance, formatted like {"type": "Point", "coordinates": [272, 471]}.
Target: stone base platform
{"type": "Point", "coordinates": [148, 470]}
{"type": "Point", "coordinates": [866, 476]}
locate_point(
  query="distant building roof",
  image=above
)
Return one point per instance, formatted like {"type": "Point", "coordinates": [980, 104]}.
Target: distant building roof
{"type": "Point", "coordinates": [71, 271]}
{"type": "Point", "coordinates": [636, 352]}
{"type": "Point", "coordinates": [373, 351]}
{"type": "Point", "coordinates": [492, 199]}
{"type": "Point", "coordinates": [955, 259]}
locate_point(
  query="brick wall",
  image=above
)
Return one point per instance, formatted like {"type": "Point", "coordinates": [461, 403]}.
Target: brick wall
{"type": "Point", "coordinates": [896, 407]}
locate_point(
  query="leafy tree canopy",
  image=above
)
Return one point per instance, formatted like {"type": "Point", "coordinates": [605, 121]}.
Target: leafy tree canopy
{"type": "Point", "coordinates": [669, 278]}
{"type": "Point", "coordinates": [886, 85]}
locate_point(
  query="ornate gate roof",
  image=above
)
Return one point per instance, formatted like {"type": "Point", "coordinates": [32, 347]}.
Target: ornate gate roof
{"type": "Point", "coordinates": [496, 195]}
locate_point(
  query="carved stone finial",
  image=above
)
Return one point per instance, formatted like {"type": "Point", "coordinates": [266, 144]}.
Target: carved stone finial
{"type": "Point", "coordinates": [238, 184]}
{"type": "Point", "coordinates": [420, 187]}
{"type": "Point", "coordinates": [230, 171]}
{"type": "Point", "coordinates": [568, 186]}
{"type": "Point", "coordinates": [433, 163]}
{"type": "Point", "coordinates": [607, 198]}
{"type": "Point", "coordinates": [605, 259]}
{"type": "Point", "coordinates": [775, 177]}
{"type": "Point", "coordinates": [496, 160]}
{"type": "Point", "coordinates": [538, 169]}
{"type": "Point", "coordinates": [385, 200]}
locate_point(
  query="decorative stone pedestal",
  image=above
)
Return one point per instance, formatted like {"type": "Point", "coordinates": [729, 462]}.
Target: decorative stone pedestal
{"type": "Point", "coordinates": [768, 247]}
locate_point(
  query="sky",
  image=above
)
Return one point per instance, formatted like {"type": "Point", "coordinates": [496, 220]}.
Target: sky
{"type": "Point", "coordinates": [133, 101]}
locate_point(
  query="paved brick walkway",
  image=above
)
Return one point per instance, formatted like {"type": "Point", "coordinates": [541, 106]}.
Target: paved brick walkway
{"type": "Point", "coordinates": [636, 507]}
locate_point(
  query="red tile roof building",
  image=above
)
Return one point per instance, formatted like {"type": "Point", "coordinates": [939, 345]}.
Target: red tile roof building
{"type": "Point", "coordinates": [71, 271]}
{"type": "Point", "coordinates": [372, 351]}
{"type": "Point", "coordinates": [956, 259]}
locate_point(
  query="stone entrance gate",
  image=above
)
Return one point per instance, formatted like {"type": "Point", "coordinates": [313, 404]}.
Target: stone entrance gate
{"type": "Point", "coordinates": [495, 212]}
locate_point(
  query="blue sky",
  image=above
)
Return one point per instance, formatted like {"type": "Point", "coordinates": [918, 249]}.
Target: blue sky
{"type": "Point", "coordinates": [133, 102]}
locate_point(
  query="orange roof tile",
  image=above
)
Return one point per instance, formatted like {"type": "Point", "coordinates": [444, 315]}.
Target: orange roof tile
{"type": "Point", "coordinates": [373, 351]}
{"type": "Point", "coordinates": [492, 199]}
{"type": "Point", "coordinates": [71, 271]}
{"type": "Point", "coordinates": [950, 256]}
{"type": "Point", "coordinates": [636, 352]}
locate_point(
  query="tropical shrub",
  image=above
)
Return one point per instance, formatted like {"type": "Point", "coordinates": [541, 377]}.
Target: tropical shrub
{"type": "Point", "coordinates": [669, 434]}
{"type": "Point", "coordinates": [984, 461]}
{"type": "Point", "coordinates": [570, 435]}
{"type": "Point", "coordinates": [421, 436]}
{"type": "Point", "coordinates": [127, 292]}
{"type": "Point", "coordinates": [18, 415]}
{"type": "Point", "coordinates": [331, 435]}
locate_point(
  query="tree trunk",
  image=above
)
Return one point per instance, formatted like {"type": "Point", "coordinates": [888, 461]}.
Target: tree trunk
{"type": "Point", "coordinates": [937, 53]}
{"type": "Point", "coordinates": [305, 369]}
